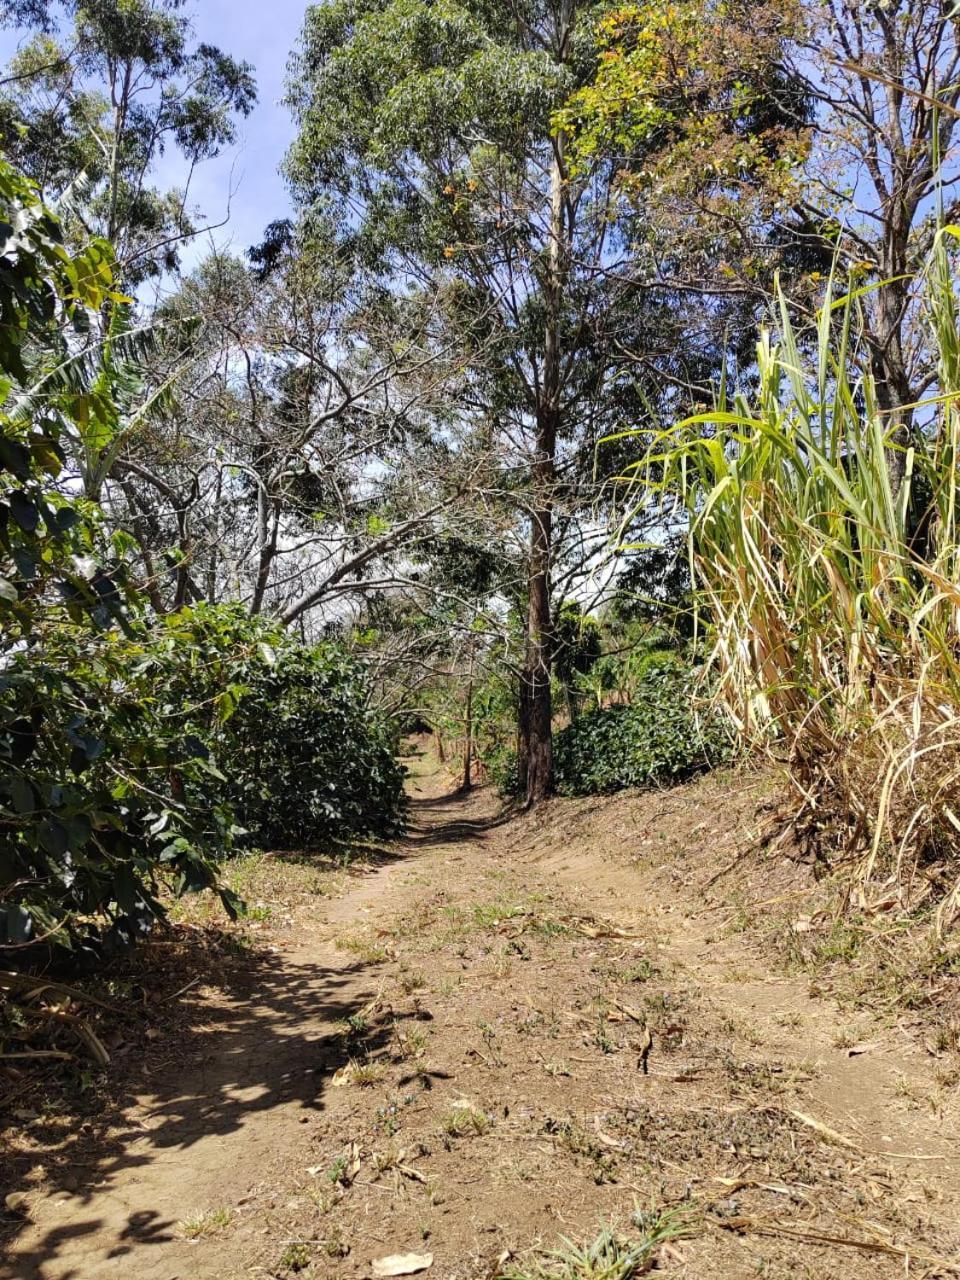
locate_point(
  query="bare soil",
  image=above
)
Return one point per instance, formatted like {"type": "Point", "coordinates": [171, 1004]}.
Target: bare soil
{"type": "Point", "coordinates": [502, 1032]}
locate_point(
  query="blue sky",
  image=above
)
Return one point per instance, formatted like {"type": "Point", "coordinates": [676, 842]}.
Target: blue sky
{"type": "Point", "coordinates": [262, 32]}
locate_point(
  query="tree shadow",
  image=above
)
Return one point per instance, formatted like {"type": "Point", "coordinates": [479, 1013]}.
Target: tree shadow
{"type": "Point", "coordinates": [267, 1040]}
{"type": "Point", "coordinates": [273, 1036]}
{"type": "Point", "coordinates": [433, 826]}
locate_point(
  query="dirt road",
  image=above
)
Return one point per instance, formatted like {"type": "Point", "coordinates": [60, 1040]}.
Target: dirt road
{"type": "Point", "coordinates": [498, 1034]}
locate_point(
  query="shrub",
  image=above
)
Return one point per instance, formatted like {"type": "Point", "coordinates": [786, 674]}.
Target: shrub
{"type": "Point", "coordinates": [656, 740]}
{"type": "Point", "coordinates": [125, 746]}
{"type": "Point", "coordinates": [305, 761]}
{"type": "Point", "coordinates": [104, 795]}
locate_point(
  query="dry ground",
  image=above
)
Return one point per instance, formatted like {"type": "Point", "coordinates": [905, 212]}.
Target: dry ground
{"type": "Point", "coordinates": [442, 1051]}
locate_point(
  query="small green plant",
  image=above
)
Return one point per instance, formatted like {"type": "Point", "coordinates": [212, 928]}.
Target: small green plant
{"type": "Point", "coordinates": [206, 1224]}
{"type": "Point", "coordinates": [365, 949]}
{"type": "Point", "coordinates": [641, 970]}
{"type": "Point", "coordinates": [465, 1121]}
{"type": "Point", "coordinates": [411, 980]}
{"type": "Point", "coordinates": [609, 1256]}
{"type": "Point", "coordinates": [362, 1074]}
{"type": "Point", "coordinates": [295, 1257]}
{"type": "Point", "coordinates": [412, 1042]}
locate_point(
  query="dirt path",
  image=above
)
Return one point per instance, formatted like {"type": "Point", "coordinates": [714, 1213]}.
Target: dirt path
{"type": "Point", "coordinates": [447, 1058]}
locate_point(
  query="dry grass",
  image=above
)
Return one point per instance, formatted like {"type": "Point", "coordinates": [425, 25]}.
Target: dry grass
{"type": "Point", "coordinates": [210, 1223]}
{"type": "Point", "coordinates": [832, 594]}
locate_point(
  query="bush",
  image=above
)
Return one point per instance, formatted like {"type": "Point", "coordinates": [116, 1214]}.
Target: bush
{"type": "Point", "coordinates": [103, 795]}
{"type": "Point", "coordinates": [304, 759]}
{"type": "Point", "coordinates": [126, 746]}
{"type": "Point", "coordinates": [656, 740]}
{"type": "Point", "coordinates": [132, 760]}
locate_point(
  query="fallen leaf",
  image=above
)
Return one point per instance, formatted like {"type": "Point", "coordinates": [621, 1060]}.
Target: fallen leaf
{"type": "Point", "coordinates": [633, 1014]}
{"type": "Point", "coordinates": [402, 1264]}
{"type": "Point", "coordinates": [830, 1134]}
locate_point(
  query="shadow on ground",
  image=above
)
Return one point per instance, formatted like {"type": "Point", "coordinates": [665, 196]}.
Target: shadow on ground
{"type": "Point", "coordinates": [268, 1038]}
{"type": "Point", "coordinates": [268, 1041]}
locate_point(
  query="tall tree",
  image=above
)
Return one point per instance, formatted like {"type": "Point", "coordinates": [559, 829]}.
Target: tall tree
{"type": "Point", "coordinates": [102, 89]}
{"type": "Point", "coordinates": [883, 172]}
{"type": "Point", "coordinates": [426, 132]}
{"type": "Point", "coordinates": [796, 133]}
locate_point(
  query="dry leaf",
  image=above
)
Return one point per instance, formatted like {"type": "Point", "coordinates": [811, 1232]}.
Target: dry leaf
{"type": "Point", "coordinates": [402, 1264]}
{"type": "Point", "coordinates": [830, 1134]}
{"type": "Point", "coordinates": [634, 1014]}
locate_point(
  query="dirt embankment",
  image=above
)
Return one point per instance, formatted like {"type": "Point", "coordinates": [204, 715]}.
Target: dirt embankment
{"type": "Point", "coordinates": [498, 1034]}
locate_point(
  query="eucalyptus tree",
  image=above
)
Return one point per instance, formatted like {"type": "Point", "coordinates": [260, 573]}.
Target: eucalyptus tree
{"type": "Point", "coordinates": [99, 91]}
{"type": "Point", "coordinates": [426, 133]}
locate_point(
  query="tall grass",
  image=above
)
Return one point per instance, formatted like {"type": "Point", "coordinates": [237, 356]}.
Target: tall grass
{"type": "Point", "coordinates": [831, 599]}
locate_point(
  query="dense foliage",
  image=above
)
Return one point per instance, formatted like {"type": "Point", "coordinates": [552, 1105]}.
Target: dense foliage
{"type": "Point", "coordinates": [129, 746]}
{"type": "Point", "coordinates": [655, 740]}
{"type": "Point", "coordinates": [92, 783]}
{"type": "Point", "coordinates": [304, 760]}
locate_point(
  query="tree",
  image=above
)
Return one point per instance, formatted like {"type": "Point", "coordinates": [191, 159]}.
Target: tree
{"type": "Point", "coordinates": [97, 95]}
{"type": "Point", "coordinates": [883, 173]}
{"type": "Point", "coordinates": [815, 135]}
{"type": "Point", "coordinates": [297, 460]}
{"type": "Point", "coordinates": [427, 137]}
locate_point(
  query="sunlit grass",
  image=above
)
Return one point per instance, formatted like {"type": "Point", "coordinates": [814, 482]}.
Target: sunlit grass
{"type": "Point", "coordinates": [830, 597]}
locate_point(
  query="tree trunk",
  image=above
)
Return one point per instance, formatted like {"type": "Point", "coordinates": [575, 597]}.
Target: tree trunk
{"type": "Point", "coordinates": [539, 780]}
{"type": "Point", "coordinates": [523, 734]}
{"type": "Point", "coordinates": [468, 743]}
{"type": "Point", "coordinates": [536, 676]}
{"type": "Point", "coordinates": [535, 719]}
